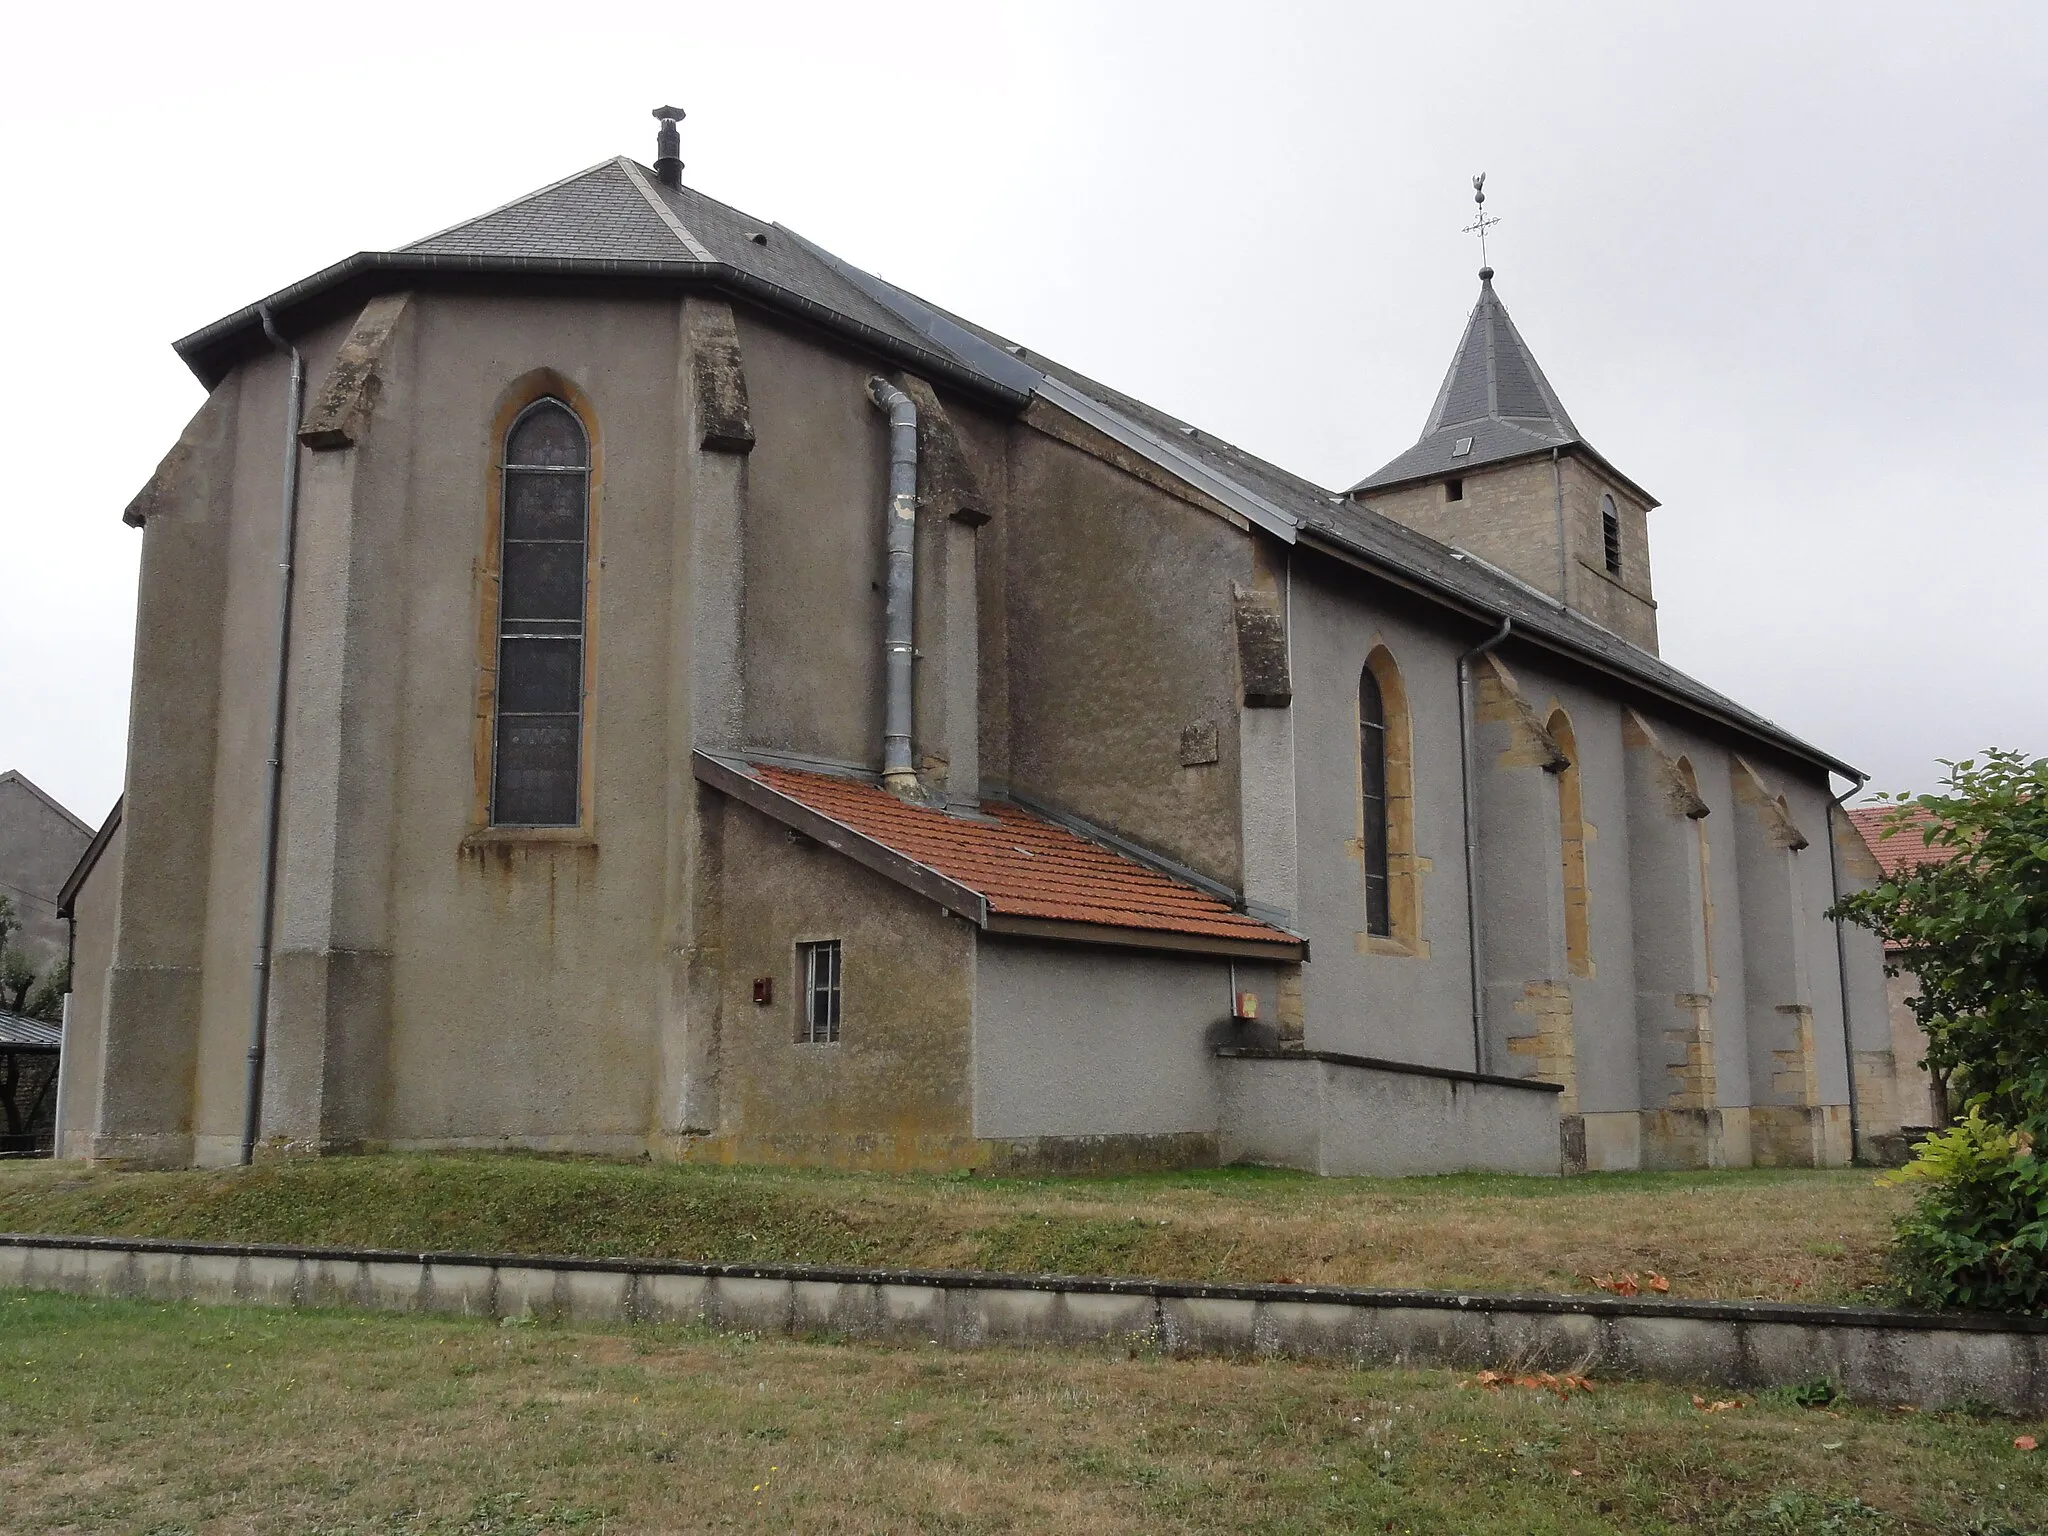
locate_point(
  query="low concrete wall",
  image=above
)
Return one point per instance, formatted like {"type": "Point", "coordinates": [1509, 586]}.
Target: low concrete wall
{"type": "Point", "coordinates": [1336, 1114]}
{"type": "Point", "coordinates": [1925, 1359]}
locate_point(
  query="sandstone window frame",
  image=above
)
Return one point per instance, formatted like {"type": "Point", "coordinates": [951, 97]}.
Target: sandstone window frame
{"type": "Point", "coordinates": [520, 400]}
{"type": "Point", "coordinates": [1571, 823]}
{"type": "Point", "coordinates": [1394, 925]}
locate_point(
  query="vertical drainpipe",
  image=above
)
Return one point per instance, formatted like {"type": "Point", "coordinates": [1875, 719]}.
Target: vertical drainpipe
{"type": "Point", "coordinates": [266, 897]}
{"type": "Point", "coordinates": [899, 771]}
{"type": "Point", "coordinates": [1467, 777]}
{"type": "Point", "coordinates": [1837, 803]}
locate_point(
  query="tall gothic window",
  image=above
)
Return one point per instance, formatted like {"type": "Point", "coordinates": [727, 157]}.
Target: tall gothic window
{"type": "Point", "coordinates": [1610, 535]}
{"type": "Point", "coordinates": [1372, 781]}
{"type": "Point", "coordinates": [537, 739]}
{"type": "Point", "coordinates": [1571, 822]}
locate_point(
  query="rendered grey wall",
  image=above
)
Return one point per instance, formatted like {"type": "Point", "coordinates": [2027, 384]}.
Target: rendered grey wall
{"type": "Point", "coordinates": [1335, 1119]}
{"type": "Point", "coordinates": [527, 971]}
{"type": "Point", "coordinates": [94, 912]}
{"type": "Point", "coordinates": [1119, 635]}
{"type": "Point", "coordinates": [40, 844]}
{"type": "Point", "coordinates": [1078, 1040]}
{"type": "Point", "coordinates": [894, 1091]}
{"type": "Point", "coordinates": [1360, 997]}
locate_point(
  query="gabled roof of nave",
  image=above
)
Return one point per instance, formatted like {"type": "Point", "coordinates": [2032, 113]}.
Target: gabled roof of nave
{"type": "Point", "coordinates": [617, 221]}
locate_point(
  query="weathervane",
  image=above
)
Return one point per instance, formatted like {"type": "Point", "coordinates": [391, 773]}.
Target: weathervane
{"type": "Point", "coordinates": [1481, 224]}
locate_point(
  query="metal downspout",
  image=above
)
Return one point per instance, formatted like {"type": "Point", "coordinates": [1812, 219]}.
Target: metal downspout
{"type": "Point", "coordinates": [1842, 963]}
{"type": "Point", "coordinates": [899, 772]}
{"type": "Point", "coordinates": [1466, 776]}
{"type": "Point", "coordinates": [266, 897]}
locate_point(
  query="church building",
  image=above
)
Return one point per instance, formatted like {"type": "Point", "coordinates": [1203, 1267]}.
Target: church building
{"type": "Point", "coordinates": [640, 684]}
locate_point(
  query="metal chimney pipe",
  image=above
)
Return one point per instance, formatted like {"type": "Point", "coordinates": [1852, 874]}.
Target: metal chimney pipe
{"type": "Point", "coordinates": [899, 773]}
{"type": "Point", "coordinates": [668, 147]}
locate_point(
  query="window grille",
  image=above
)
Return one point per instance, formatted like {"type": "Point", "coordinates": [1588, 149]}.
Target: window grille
{"type": "Point", "coordinates": [537, 737]}
{"type": "Point", "coordinates": [1372, 779]}
{"type": "Point", "coordinates": [1610, 534]}
{"type": "Point", "coordinates": [820, 964]}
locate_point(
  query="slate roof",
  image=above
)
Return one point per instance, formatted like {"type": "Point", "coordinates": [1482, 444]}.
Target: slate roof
{"type": "Point", "coordinates": [1904, 850]}
{"type": "Point", "coordinates": [617, 222]}
{"type": "Point", "coordinates": [1495, 405]}
{"type": "Point", "coordinates": [1002, 865]}
{"type": "Point", "coordinates": [18, 1031]}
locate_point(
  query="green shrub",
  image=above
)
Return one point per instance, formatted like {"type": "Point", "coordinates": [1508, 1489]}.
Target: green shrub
{"type": "Point", "coordinates": [1977, 1235]}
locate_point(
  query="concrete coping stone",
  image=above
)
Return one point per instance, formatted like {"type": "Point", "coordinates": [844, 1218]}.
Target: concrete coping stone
{"type": "Point", "coordinates": [1800, 1313]}
{"type": "Point", "coordinates": [1379, 1064]}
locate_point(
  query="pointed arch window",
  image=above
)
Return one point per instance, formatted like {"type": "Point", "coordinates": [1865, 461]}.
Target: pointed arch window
{"type": "Point", "coordinates": [1610, 535]}
{"type": "Point", "coordinates": [1571, 822]}
{"type": "Point", "coordinates": [1372, 782]}
{"type": "Point", "coordinates": [537, 725]}
{"type": "Point", "coordinates": [1385, 846]}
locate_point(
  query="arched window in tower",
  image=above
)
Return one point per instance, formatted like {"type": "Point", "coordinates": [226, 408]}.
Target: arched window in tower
{"type": "Point", "coordinates": [1386, 800]}
{"type": "Point", "coordinates": [1372, 787]}
{"type": "Point", "coordinates": [1610, 535]}
{"type": "Point", "coordinates": [1571, 821]}
{"type": "Point", "coordinates": [544, 569]}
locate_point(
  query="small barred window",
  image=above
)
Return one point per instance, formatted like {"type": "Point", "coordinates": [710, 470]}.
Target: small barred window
{"type": "Point", "coordinates": [819, 964]}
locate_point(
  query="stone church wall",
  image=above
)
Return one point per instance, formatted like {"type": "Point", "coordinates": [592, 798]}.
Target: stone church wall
{"type": "Point", "coordinates": [1118, 615]}
{"type": "Point", "coordinates": [1361, 995]}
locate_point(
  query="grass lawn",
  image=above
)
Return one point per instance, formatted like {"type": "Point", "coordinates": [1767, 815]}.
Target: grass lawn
{"type": "Point", "coordinates": [140, 1417]}
{"type": "Point", "coordinates": [1785, 1235]}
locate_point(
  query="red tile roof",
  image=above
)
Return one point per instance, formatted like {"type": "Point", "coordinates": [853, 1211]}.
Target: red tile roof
{"type": "Point", "coordinates": [1905, 849]}
{"type": "Point", "coordinates": [1021, 864]}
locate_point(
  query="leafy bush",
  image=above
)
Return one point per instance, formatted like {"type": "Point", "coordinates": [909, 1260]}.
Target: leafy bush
{"type": "Point", "coordinates": [1977, 1236]}
{"type": "Point", "coordinates": [1973, 928]}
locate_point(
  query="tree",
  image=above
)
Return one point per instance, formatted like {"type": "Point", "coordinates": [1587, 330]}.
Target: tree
{"type": "Point", "coordinates": [19, 991]}
{"type": "Point", "coordinates": [1974, 930]}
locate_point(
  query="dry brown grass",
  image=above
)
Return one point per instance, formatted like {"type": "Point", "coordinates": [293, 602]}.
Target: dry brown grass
{"type": "Point", "coordinates": [140, 1418]}
{"type": "Point", "coordinates": [1784, 1235]}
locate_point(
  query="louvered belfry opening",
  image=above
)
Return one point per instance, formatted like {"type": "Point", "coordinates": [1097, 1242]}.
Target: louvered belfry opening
{"type": "Point", "coordinates": [538, 738]}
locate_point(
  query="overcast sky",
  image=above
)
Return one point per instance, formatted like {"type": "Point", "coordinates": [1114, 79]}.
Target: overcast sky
{"type": "Point", "coordinates": [1778, 260]}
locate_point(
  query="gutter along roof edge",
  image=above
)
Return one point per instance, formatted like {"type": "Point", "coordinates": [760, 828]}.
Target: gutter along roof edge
{"type": "Point", "coordinates": [1332, 542]}
{"type": "Point", "coordinates": [212, 349]}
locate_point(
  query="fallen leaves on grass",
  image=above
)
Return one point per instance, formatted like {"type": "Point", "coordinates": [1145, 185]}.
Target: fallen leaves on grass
{"type": "Point", "coordinates": [1628, 1283]}
{"type": "Point", "coordinates": [1564, 1385]}
{"type": "Point", "coordinates": [1721, 1406]}
{"type": "Point", "coordinates": [2024, 1442]}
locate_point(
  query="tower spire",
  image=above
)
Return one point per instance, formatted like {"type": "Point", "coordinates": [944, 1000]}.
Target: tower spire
{"type": "Point", "coordinates": [1480, 224]}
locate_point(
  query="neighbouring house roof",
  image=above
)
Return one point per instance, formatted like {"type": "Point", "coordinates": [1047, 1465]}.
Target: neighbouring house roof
{"type": "Point", "coordinates": [1495, 406]}
{"type": "Point", "coordinates": [616, 228]}
{"type": "Point", "coordinates": [1007, 869]}
{"type": "Point", "coordinates": [67, 896]}
{"type": "Point", "coordinates": [16, 776]}
{"type": "Point", "coordinates": [1903, 850]}
{"type": "Point", "coordinates": [20, 1032]}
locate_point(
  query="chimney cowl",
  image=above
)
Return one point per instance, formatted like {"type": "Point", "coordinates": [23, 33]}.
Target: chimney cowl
{"type": "Point", "coordinates": [668, 146]}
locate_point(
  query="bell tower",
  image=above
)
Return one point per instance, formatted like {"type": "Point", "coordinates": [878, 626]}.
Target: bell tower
{"type": "Point", "coordinates": [1501, 472]}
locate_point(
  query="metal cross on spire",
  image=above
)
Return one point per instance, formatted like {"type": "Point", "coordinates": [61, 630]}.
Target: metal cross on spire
{"type": "Point", "coordinates": [1481, 223]}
